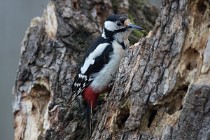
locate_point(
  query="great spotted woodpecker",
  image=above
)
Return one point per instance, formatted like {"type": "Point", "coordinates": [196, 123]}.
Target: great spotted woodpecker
{"type": "Point", "coordinates": [102, 60]}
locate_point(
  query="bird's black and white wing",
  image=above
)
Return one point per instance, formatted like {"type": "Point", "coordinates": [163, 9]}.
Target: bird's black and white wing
{"type": "Point", "coordinates": [96, 57]}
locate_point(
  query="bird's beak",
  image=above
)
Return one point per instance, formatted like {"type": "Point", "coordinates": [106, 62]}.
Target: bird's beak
{"type": "Point", "coordinates": [131, 26]}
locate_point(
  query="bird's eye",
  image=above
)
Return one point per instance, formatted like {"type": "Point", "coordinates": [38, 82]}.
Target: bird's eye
{"type": "Point", "coordinates": [119, 23]}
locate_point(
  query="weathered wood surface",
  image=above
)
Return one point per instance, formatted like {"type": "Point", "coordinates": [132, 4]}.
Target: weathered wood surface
{"type": "Point", "coordinates": [162, 89]}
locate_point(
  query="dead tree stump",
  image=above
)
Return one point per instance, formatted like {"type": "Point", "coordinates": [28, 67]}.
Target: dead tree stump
{"type": "Point", "coordinates": [162, 88]}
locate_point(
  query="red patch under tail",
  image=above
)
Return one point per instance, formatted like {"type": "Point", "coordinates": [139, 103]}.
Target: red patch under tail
{"type": "Point", "coordinates": [90, 96]}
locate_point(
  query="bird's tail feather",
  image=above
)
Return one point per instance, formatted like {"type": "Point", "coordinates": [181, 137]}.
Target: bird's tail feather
{"type": "Point", "coordinates": [89, 114]}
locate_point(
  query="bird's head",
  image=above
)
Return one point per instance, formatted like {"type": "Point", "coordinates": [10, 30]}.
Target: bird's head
{"type": "Point", "coordinates": [118, 27]}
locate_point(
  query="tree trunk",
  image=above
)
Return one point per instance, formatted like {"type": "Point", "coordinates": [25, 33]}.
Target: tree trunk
{"type": "Point", "coordinates": [162, 88]}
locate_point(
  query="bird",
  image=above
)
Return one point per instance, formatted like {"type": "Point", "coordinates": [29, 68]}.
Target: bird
{"type": "Point", "coordinates": [102, 61]}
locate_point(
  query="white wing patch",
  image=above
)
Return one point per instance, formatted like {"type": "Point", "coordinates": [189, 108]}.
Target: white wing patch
{"type": "Point", "coordinates": [91, 58]}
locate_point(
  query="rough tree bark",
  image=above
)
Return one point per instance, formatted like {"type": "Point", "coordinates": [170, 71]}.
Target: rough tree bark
{"type": "Point", "coordinates": [162, 89]}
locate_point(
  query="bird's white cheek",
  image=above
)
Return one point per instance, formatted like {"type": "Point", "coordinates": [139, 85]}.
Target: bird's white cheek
{"type": "Point", "coordinates": [109, 25]}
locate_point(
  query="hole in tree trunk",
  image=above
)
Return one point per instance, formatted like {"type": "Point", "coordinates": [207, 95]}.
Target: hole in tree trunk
{"type": "Point", "coordinates": [151, 117]}
{"type": "Point", "coordinates": [35, 108]}
{"type": "Point", "coordinates": [191, 60]}
{"type": "Point", "coordinates": [122, 116]}
{"type": "Point", "coordinates": [201, 6]}
{"type": "Point", "coordinates": [175, 103]}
